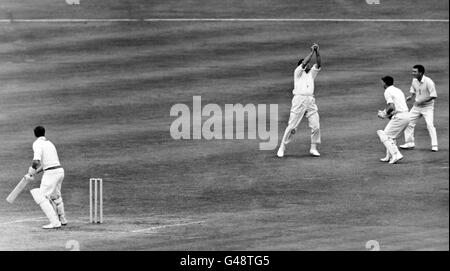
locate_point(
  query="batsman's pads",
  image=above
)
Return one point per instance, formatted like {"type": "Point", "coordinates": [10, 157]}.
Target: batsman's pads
{"type": "Point", "coordinates": [45, 205]}
{"type": "Point", "coordinates": [38, 196]}
{"type": "Point", "coordinates": [18, 189]}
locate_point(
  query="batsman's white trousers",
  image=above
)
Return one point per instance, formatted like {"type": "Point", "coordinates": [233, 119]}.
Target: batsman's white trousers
{"type": "Point", "coordinates": [51, 183]}
{"type": "Point", "coordinates": [303, 106]}
{"type": "Point", "coordinates": [428, 114]}
{"type": "Point", "coordinates": [397, 125]}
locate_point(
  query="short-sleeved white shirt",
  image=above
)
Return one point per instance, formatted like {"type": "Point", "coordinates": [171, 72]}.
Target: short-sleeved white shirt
{"type": "Point", "coordinates": [423, 89]}
{"type": "Point", "coordinates": [397, 97]}
{"type": "Point", "coordinates": [45, 151]}
{"type": "Point", "coordinates": [304, 82]}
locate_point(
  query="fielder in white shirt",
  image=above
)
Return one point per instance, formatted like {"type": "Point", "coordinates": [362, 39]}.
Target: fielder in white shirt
{"type": "Point", "coordinates": [48, 195]}
{"type": "Point", "coordinates": [397, 112]}
{"type": "Point", "coordinates": [303, 102]}
{"type": "Point", "coordinates": [424, 92]}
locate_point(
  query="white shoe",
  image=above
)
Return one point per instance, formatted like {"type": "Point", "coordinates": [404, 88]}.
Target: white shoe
{"type": "Point", "coordinates": [47, 208]}
{"type": "Point", "coordinates": [396, 158]}
{"type": "Point", "coordinates": [280, 152]}
{"type": "Point", "coordinates": [385, 159]}
{"type": "Point", "coordinates": [409, 145]}
{"type": "Point", "coordinates": [314, 153]}
{"type": "Point", "coordinates": [52, 226]}
{"type": "Point", "coordinates": [434, 148]}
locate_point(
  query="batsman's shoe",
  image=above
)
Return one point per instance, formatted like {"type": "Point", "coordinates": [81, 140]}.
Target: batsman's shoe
{"type": "Point", "coordinates": [408, 145]}
{"type": "Point", "coordinates": [434, 148]}
{"type": "Point", "coordinates": [52, 226]}
{"type": "Point", "coordinates": [396, 158]}
{"type": "Point", "coordinates": [281, 150]}
{"type": "Point", "coordinates": [47, 208]}
{"type": "Point", "coordinates": [385, 159]}
{"type": "Point", "coordinates": [314, 153]}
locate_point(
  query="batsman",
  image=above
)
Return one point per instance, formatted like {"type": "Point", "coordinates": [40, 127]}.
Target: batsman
{"type": "Point", "coordinates": [48, 195]}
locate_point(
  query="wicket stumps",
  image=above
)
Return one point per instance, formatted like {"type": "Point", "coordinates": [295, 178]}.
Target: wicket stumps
{"type": "Point", "coordinates": [95, 200]}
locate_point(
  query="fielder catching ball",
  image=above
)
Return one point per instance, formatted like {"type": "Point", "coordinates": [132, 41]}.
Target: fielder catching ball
{"type": "Point", "coordinates": [303, 103]}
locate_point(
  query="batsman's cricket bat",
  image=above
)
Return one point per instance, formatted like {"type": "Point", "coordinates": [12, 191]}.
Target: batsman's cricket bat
{"type": "Point", "coordinates": [19, 187]}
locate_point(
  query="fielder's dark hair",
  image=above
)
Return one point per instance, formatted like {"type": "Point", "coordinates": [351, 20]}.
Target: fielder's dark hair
{"type": "Point", "coordinates": [388, 80]}
{"type": "Point", "coordinates": [420, 68]}
{"type": "Point", "coordinates": [300, 62]}
{"type": "Point", "coordinates": [39, 131]}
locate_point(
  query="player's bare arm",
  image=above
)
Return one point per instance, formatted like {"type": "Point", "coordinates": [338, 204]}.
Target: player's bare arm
{"type": "Point", "coordinates": [318, 58]}
{"type": "Point", "coordinates": [308, 58]}
{"type": "Point", "coordinates": [35, 168]}
{"type": "Point", "coordinates": [390, 109]}
{"type": "Point", "coordinates": [411, 97]}
{"type": "Point", "coordinates": [388, 112]}
{"type": "Point", "coordinates": [35, 164]}
{"type": "Point", "coordinates": [303, 66]}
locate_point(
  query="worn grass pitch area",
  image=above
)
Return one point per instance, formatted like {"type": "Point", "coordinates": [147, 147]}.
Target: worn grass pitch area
{"type": "Point", "coordinates": [104, 92]}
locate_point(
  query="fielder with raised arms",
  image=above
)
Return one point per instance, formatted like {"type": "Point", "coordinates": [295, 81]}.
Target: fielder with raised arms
{"type": "Point", "coordinates": [303, 103]}
{"type": "Point", "coordinates": [48, 195]}
{"type": "Point", "coordinates": [397, 112]}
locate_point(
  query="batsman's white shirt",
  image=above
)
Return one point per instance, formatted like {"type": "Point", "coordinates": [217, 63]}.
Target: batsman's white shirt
{"type": "Point", "coordinates": [45, 151]}
{"type": "Point", "coordinates": [423, 89]}
{"type": "Point", "coordinates": [304, 82]}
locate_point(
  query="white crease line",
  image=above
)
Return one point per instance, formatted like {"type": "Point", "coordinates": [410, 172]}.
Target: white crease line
{"type": "Point", "coordinates": [23, 220]}
{"type": "Point", "coordinates": [218, 20]}
{"type": "Point", "coordinates": [75, 220]}
{"type": "Point", "coordinates": [166, 226]}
